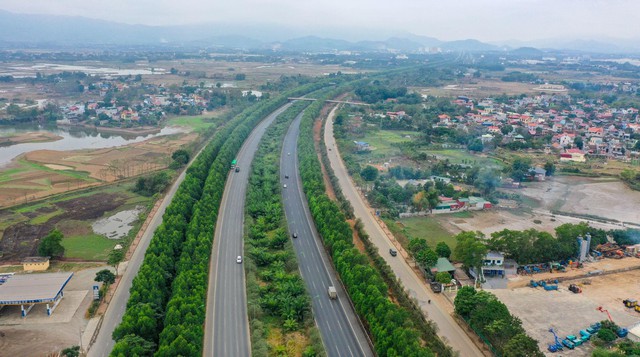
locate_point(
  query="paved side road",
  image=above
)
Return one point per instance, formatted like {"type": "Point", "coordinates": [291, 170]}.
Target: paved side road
{"type": "Point", "coordinates": [448, 329]}
{"type": "Point", "coordinates": [113, 316]}
{"type": "Point", "coordinates": [338, 324]}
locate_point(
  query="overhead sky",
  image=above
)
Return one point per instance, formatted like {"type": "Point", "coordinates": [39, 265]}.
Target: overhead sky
{"type": "Point", "coordinates": [487, 20]}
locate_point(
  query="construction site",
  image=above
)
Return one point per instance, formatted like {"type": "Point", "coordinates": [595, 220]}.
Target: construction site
{"type": "Point", "coordinates": [561, 305]}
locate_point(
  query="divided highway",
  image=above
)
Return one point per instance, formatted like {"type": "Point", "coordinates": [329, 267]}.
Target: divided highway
{"type": "Point", "coordinates": [448, 329]}
{"type": "Point", "coordinates": [341, 333]}
{"type": "Point", "coordinates": [226, 326]}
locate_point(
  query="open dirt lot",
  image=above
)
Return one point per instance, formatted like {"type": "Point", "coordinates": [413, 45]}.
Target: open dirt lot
{"type": "Point", "coordinates": [480, 88]}
{"type": "Point", "coordinates": [605, 198]}
{"type": "Point", "coordinates": [602, 198]}
{"type": "Point", "coordinates": [568, 312]}
{"type": "Point", "coordinates": [32, 137]}
{"type": "Point", "coordinates": [39, 334]}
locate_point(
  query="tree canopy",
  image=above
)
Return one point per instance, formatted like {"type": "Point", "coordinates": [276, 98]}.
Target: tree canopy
{"type": "Point", "coordinates": [51, 244]}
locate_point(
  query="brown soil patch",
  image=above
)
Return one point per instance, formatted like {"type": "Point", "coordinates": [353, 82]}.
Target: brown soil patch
{"type": "Point", "coordinates": [357, 241]}
{"type": "Point", "coordinates": [31, 137]}
{"type": "Point", "coordinates": [21, 240]}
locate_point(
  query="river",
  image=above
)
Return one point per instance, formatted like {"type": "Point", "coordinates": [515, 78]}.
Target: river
{"type": "Point", "coordinates": [72, 139]}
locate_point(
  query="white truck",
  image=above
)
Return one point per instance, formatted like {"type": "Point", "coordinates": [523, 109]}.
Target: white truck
{"type": "Point", "coordinates": [333, 294]}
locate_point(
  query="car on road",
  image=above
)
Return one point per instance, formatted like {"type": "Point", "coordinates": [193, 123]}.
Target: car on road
{"type": "Point", "coordinates": [288, 153]}
{"type": "Point", "coordinates": [286, 176]}
{"type": "Point", "coordinates": [237, 169]}
{"type": "Point", "coordinates": [239, 259]}
{"type": "Point", "coordinates": [285, 185]}
{"type": "Point", "coordinates": [393, 252]}
{"type": "Point", "coordinates": [294, 235]}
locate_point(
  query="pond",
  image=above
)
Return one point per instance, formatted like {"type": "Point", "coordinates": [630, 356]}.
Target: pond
{"type": "Point", "coordinates": [118, 225]}
{"type": "Point", "coordinates": [72, 139]}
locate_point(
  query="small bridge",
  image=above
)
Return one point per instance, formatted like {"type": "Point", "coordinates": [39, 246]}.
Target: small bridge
{"type": "Point", "coordinates": [330, 101]}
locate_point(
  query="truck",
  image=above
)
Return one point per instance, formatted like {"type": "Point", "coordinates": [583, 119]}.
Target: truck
{"type": "Point", "coordinates": [234, 163]}
{"type": "Point", "coordinates": [333, 294]}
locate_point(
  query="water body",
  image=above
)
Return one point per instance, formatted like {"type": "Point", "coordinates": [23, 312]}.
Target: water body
{"type": "Point", "coordinates": [72, 139]}
{"type": "Point", "coordinates": [118, 225]}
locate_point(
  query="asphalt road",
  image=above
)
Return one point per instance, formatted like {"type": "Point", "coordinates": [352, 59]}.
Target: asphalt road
{"type": "Point", "coordinates": [448, 329]}
{"type": "Point", "coordinates": [113, 316]}
{"type": "Point", "coordinates": [336, 320]}
{"type": "Point", "coordinates": [227, 325]}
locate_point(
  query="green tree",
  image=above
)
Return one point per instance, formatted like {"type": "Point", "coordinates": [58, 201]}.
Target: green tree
{"type": "Point", "coordinates": [520, 168]}
{"type": "Point", "coordinates": [522, 346]}
{"type": "Point", "coordinates": [427, 258]}
{"type": "Point", "coordinates": [115, 257]}
{"type": "Point", "coordinates": [471, 250]}
{"type": "Point", "coordinates": [443, 277]}
{"type": "Point", "coordinates": [417, 244]}
{"type": "Point", "coordinates": [369, 173]}
{"type": "Point", "coordinates": [465, 301]}
{"type": "Point", "coordinates": [133, 345]}
{"type": "Point", "coordinates": [550, 168]}
{"type": "Point", "coordinates": [506, 129]}
{"type": "Point", "coordinates": [71, 351]}
{"type": "Point", "coordinates": [51, 245]}
{"type": "Point", "coordinates": [105, 276]}
{"type": "Point", "coordinates": [607, 335]}
{"type": "Point", "coordinates": [180, 157]}
{"type": "Point", "coordinates": [579, 142]}
{"type": "Point", "coordinates": [443, 250]}
{"type": "Point", "coordinates": [241, 77]}
{"type": "Point", "coordinates": [487, 181]}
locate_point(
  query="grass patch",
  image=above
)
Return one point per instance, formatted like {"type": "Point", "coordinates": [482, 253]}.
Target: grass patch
{"type": "Point", "coordinates": [465, 157]}
{"type": "Point", "coordinates": [45, 217]}
{"type": "Point", "coordinates": [198, 123]}
{"type": "Point", "coordinates": [10, 269]}
{"type": "Point", "coordinates": [90, 247]}
{"type": "Point", "coordinates": [73, 266]}
{"type": "Point", "coordinates": [429, 229]}
{"type": "Point", "coordinates": [79, 175]}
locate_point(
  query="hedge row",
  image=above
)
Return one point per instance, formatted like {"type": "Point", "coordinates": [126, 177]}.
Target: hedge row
{"type": "Point", "coordinates": [186, 227]}
{"type": "Point", "coordinates": [276, 295]}
{"type": "Point", "coordinates": [390, 326]}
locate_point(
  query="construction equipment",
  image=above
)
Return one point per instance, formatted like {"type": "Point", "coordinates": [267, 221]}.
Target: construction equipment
{"type": "Point", "coordinates": [630, 303]}
{"type": "Point", "coordinates": [584, 335]}
{"type": "Point", "coordinates": [610, 250]}
{"type": "Point", "coordinates": [575, 289]}
{"type": "Point", "coordinates": [570, 345]}
{"type": "Point", "coordinates": [576, 340]}
{"type": "Point", "coordinates": [557, 346]}
{"type": "Point", "coordinates": [593, 329]}
{"type": "Point", "coordinates": [622, 332]}
{"type": "Point", "coordinates": [637, 308]}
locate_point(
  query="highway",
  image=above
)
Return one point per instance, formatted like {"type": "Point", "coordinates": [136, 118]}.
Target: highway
{"type": "Point", "coordinates": [341, 333]}
{"type": "Point", "coordinates": [113, 316]}
{"type": "Point", "coordinates": [226, 324]}
{"type": "Point", "coordinates": [448, 329]}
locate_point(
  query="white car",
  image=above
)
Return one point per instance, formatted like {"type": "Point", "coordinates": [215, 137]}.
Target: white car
{"type": "Point", "coordinates": [285, 185]}
{"type": "Point", "coordinates": [239, 260]}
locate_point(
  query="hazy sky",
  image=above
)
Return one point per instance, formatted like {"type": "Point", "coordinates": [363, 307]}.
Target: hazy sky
{"type": "Point", "coordinates": [487, 20]}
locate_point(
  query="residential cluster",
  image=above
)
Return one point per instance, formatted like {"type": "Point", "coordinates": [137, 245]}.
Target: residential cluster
{"type": "Point", "coordinates": [572, 128]}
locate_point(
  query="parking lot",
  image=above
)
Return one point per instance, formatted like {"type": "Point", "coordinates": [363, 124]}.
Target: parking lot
{"type": "Point", "coordinates": [567, 312]}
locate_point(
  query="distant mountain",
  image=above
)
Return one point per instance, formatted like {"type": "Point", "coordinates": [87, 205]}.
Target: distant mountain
{"type": "Point", "coordinates": [527, 51]}
{"type": "Point", "coordinates": [36, 30]}
{"type": "Point", "coordinates": [468, 45]}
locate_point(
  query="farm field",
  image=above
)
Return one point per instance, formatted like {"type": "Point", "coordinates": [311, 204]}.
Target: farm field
{"type": "Point", "coordinates": [73, 214]}
{"type": "Point", "coordinates": [43, 173]}
{"type": "Point", "coordinates": [428, 228]}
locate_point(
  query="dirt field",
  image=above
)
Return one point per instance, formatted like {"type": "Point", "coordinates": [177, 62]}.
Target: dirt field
{"type": "Point", "coordinates": [605, 198]}
{"type": "Point", "coordinates": [39, 334]}
{"type": "Point", "coordinates": [21, 239]}
{"type": "Point", "coordinates": [43, 173]}
{"type": "Point", "coordinates": [480, 88]}
{"type": "Point", "coordinates": [567, 312]}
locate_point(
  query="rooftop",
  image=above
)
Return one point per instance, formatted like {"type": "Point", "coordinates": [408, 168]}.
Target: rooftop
{"type": "Point", "coordinates": [35, 260]}
{"type": "Point", "coordinates": [33, 288]}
